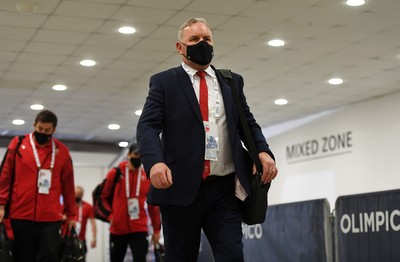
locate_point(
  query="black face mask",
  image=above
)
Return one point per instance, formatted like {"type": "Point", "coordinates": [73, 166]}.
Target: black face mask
{"type": "Point", "coordinates": [200, 53]}
{"type": "Point", "coordinates": [41, 138]}
{"type": "Point", "coordinates": [136, 162]}
{"type": "Point", "coordinates": [78, 199]}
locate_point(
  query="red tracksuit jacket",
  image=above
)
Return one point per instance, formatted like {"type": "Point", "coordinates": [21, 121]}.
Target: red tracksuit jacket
{"type": "Point", "coordinates": [122, 224]}
{"type": "Point", "coordinates": [26, 202]}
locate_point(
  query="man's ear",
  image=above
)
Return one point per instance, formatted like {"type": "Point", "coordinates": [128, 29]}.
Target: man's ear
{"type": "Point", "coordinates": [179, 48]}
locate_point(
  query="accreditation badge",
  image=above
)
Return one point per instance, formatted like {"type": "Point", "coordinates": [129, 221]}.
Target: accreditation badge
{"type": "Point", "coordinates": [78, 226]}
{"type": "Point", "coordinates": [211, 130]}
{"type": "Point", "coordinates": [133, 208]}
{"type": "Point", "coordinates": [44, 181]}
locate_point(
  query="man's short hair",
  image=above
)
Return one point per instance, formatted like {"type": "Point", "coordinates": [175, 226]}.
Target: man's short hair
{"type": "Point", "coordinates": [190, 22]}
{"type": "Point", "coordinates": [134, 148]}
{"type": "Point", "coordinates": [46, 116]}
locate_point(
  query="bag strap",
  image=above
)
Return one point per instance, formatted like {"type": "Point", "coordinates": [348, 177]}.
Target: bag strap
{"type": "Point", "coordinates": [12, 178]}
{"type": "Point", "coordinates": [227, 74]}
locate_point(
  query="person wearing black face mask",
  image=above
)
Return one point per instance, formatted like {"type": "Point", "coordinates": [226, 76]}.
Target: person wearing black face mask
{"type": "Point", "coordinates": [128, 217]}
{"type": "Point", "coordinates": [190, 144]}
{"type": "Point", "coordinates": [85, 213]}
{"type": "Point", "coordinates": [40, 170]}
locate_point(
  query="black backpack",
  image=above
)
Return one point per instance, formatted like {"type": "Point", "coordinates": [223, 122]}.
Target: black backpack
{"type": "Point", "coordinates": [100, 212]}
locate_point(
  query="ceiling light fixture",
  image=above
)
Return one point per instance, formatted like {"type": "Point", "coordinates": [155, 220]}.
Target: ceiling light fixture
{"type": "Point", "coordinates": [88, 62]}
{"type": "Point", "coordinates": [37, 107]}
{"type": "Point", "coordinates": [59, 87]}
{"type": "Point", "coordinates": [127, 30]}
{"type": "Point", "coordinates": [123, 144]}
{"type": "Point", "coordinates": [335, 81]}
{"type": "Point", "coordinates": [355, 2]}
{"type": "Point", "coordinates": [280, 101]}
{"type": "Point", "coordinates": [18, 122]}
{"type": "Point", "coordinates": [276, 42]}
{"type": "Point", "coordinates": [114, 126]}
{"type": "Point", "coordinates": [26, 7]}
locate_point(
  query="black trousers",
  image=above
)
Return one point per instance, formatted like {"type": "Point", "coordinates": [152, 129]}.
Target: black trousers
{"type": "Point", "coordinates": [36, 241]}
{"type": "Point", "coordinates": [137, 242]}
{"type": "Point", "coordinates": [216, 210]}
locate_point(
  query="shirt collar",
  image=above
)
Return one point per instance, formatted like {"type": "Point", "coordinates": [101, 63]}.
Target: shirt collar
{"type": "Point", "coordinates": [191, 72]}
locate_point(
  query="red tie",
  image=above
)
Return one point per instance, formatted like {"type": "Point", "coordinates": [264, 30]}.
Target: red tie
{"type": "Point", "coordinates": [204, 112]}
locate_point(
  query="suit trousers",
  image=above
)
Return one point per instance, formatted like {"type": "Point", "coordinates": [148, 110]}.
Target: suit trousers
{"type": "Point", "coordinates": [216, 210]}
{"type": "Point", "coordinates": [36, 241]}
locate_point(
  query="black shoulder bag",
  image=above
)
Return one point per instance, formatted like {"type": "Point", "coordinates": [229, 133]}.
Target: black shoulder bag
{"type": "Point", "coordinates": [254, 208]}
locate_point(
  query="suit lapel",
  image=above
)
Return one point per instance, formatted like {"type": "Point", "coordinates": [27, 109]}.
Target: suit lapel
{"type": "Point", "coordinates": [187, 87]}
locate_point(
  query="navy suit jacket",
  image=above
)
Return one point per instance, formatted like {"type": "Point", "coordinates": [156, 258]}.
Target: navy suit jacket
{"type": "Point", "coordinates": [172, 110]}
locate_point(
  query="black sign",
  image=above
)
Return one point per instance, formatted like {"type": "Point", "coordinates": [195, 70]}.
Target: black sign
{"type": "Point", "coordinates": [368, 227]}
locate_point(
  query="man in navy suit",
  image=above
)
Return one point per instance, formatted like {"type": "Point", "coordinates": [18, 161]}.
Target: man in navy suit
{"type": "Point", "coordinates": [196, 166]}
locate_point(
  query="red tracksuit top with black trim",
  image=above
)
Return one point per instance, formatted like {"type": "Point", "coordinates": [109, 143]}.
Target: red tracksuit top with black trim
{"type": "Point", "coordinates": [122, 224]}
{"type": "Point", "coordinates": [26, 202]}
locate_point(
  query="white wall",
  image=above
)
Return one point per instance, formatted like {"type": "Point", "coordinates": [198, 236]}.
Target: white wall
{"type": "Point", "coordinates": [90, 169]}
{"type": "Point", "coordinates": [368, 162]}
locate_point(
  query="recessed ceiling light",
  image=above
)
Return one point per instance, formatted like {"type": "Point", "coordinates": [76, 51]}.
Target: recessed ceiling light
{"type": "Point", "coordinates": [127, 30]}
{"type": "Point", "coordinates": [138, 112]}
{"type": "Point", "coordinates": [355, 2]}
{"type": "Point", "coordinates": [37, 107]}
{"type": "Point", "coordinates": [276, 42]}
{"type": "Point", "coordinates": [88, 62]}
{"type": "Point", "coordinates": [123, 144]}
{"type": "Point", "coordinates": [59, 87]}
{"type": "Point", "coordinates": [18, 122]}
{"type": "Point", "coordinates": [280, 101]}
{"type": "Point", "coordinates": [114, 126]}
{"type": "Point", "coordinates": [335, 81]}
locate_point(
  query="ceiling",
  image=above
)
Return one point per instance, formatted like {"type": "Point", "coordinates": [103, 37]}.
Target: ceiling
{"type": "Point", "coordinates": [324, 39]}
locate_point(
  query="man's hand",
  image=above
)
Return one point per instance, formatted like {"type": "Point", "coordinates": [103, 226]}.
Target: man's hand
{"type": "Point", "coordinates": [71, 223]}
{"type": "Point", "coordinates": [93, 243]}
{"type": "Point", "coordinates": [160, 176]}
{"type": "Point", "coordinates": [155, 238]}
{"type": "Point", "coordinates": [2, 212]}
{"type": "Point", "coordinates": [269, 168]}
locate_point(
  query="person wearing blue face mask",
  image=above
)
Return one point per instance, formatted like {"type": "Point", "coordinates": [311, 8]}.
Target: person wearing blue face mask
{"type": "Point", "coordinates": [127, 214]}
{"type": "Point", "coordinates": [36, 170]}
{"type": "Point", "coordinates": [190, 142]}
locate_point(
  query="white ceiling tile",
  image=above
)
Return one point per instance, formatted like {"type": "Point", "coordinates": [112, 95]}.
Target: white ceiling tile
{"type": "Point", "coordinates": [111, 41]}
{"type": "Point", "coordinates": [72, 24]}
{"type": "Point", "coordinates": [56, 36]}
{"type": "Point", "coordinates": [49, 48]}
{"type": "Point", "coordinates": [176, 5]}
{"type": "Point", "coordinates": [16, 33]}
{"type": "Point", "coordinates": [143, 15]}
{"type": "Point", "coordinates": [86, 9]}
{"type": "Point", "coordinates": [15, 19]}
{"type": "Point", "coordinates": [11, 45]}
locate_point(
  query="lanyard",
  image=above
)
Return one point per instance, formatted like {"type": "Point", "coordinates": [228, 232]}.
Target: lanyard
{"type": "Point", "coordinates": [127, 188]}
{"type": "Point", "coordinates": [80, 212]}
{"type": "Point", "coordinates": [35, 153]}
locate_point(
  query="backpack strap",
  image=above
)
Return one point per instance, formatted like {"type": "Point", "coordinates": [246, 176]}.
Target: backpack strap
{"type": "Point", "coordinates": [12, 177]}
{"type": "Point", "coordinates": [115, 181]}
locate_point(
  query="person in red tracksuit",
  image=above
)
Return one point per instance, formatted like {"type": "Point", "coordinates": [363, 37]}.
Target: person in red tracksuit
{"type": "Point", "coordinates": [42, 171]}
{"type": "Point", "coordinates": [128, 217]}
{"type": "Point", "coordinates": [84, 213]}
